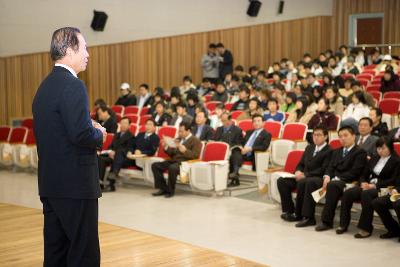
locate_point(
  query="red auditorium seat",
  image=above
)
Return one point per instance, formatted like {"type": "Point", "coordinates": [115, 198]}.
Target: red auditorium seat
{"type": "Point", "coordinates": [246, 125]}
{"type": "Point", "coordinates": [366, 76]}
{"type": "Point", "coordinates": [4, 133]}
{"type": "Point", "coordinates": [144, 111]}
{"type": "Point", "coordinates": [107, 143]}
{"type": "Point", "coordinates": [211, 105]}
{"type": "Point", "coordinates": [118, 117]}
{"type": "Point", "coordinates": [131, 110]}
{"type": "Point", "coordinates": [207, 98]}
{"type": "Point", "coordinates": [142, 128]}
{"type": "Point", "coordinates": [215, 151]}
{"type": "Point", "coordinates": [133, 128]}
{"type": "Point", "coordinates": [370, 67]}
{"type": "Point", "coordinates": [390, 106]}
{"type": "Point", "coordinates": [28, 123]}
{"type": "Point", "coordinates": [347, 75]}
{"type": "Point", "coordinates": [393, 94]}
{"type": "Point", "coordinates": [228, 106]}
{"type": "Point", "coordinates": [335, 144]}
{"type": "Point", "coordinates": [18, 135]}
{"type": "Point", "coordinates": [134, 118]}
{"type": "Point", "coordinates": [293, 160]}
{"type": "Point", "coordinates": [236, 114]}
{"type": "Point", "coordinates": [376, 95]}
{"type": "Point", "coordinates": [274, 128]}
{"type": "Point", "coordinates": [376, 83]}
{"type": "Point", "coordinates": [143, 119]}
{"type": "Point", "coordinates": [363, 82]}
{"type": "Point", "coordinates": [169, 131]}
{"type": "Point", "coordinates": [30, 138]}
{"type": "Point", "coordinates": [118, 109]}
{"type": "Point", "coordinates": [373, 87]}
{"type": "Point", "coordinates": [397, 148]}
{"type": "Point", "coordinates": [294, 131]}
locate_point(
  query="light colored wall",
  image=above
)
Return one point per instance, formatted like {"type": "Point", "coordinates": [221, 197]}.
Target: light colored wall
{"type": "Point", "coordinates": [26, 25]}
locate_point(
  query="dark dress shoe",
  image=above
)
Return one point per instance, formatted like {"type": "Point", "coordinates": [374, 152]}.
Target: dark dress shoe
{"type": "Point", "coordinates": [159, 193]}
{"type": "Point", "coordinates": [341, 230]}
{"type": "Point", "coordinates": [389, 235]}
{"type": "Point", "coordinates": [168, 195]}
{"type": "Point", "coordinates": [323, 227]}
{"type": "Point", "coordinates": [234, 182]}
{"type": "Point", "coordinates": [109, 188]}
{"type": "Point", "coordinates": [290, 217]}
{"type": "Point", "coordinates": [305, 223]}
{"type": "Point", "coordinates": [362, 234]}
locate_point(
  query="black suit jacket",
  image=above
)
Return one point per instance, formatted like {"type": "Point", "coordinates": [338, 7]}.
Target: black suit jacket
{"type": "Point", "coordinates": [387, 176]}
{"type": "Point", "coordinates": [147, 146]}
{"type": "Point", "coordinates": [349, 168]}
{"type": "Point", "coordinates": [126, 100]}
{"type": "Point", "coordinates": [123, 143]}
{"type": "Point", "coordinates": [66, 140]}
{"type": "Point", "coordinates": [206, 134]}
{"type": "Point", "coordinates": [111, 125]}
{"type": "Point", "coordinates": [165, 117]}
{"type": "Point", "coordinates": [392, 134]}
{"type": "Point", "coordinates": [233, 136]}
{"type": "Point", "coordinates": [314, 166]}
{"type": "Point", "coordinates": [262, 141]}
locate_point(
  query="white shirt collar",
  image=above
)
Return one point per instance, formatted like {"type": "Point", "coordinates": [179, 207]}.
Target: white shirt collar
{"type": "Point", "coordinates": [350, 148]}
{"type": "Point", "coordinates": [67, 67]}
{"type": "Point", "coordinates": [319, 148]}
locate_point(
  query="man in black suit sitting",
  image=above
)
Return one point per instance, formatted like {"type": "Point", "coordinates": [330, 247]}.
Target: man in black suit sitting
{"type": "Point", "coordinates": [345, 168]}
{"type": "Point", "coordinates": [107, 119]}
{"type": "Point", "coordinates": [116, 154]}
{"type": "Point", "coordinates": [202, 130]}
{"type": "Point", "coordinates": [307, 179]}
{"type": "Point", "coordinates": [230, 134]}
{"type": "Point", "coordinates": [255, 140]}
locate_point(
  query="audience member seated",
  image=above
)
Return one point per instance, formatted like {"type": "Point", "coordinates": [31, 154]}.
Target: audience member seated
{"type": "Point", "coordinates": [243, 102]}
{"type": "Point", "coordinates": [387, 63]}
{"type": "Point", "coordinates": [116, 155]}
{"type": "Point", "coordinates": [206, 87]}
{"type": "Point", "coordinates": [347, 91]}
{"type": "Point", "coordinates": [309, 171]}
{"type": "Point", "coordinates": [273, 114]}
{"type": "Point", "coordinates": [323, 117]}
{"type": "Point", "coordinates": [255, 140]}
{"type": "Point", "coordinates": [188, 147]}
{"type": "Point", "coordinates": [107, 119]}
{"type": "Point", "coordinates": [210, 65]}
{"type": "Point", "coordinates": [365, 139]}
{"type": "Point", "coordinates": [215, 119]}
{"type": "Point", "coordinates": [254, 108]}
{"type": "Point", "coordinates": [379, 128]}
{"type": "Point", "coordinates": [192, 101]}
{"type": "Point", "coordinates": [390, 82]}
{"type": "Point", "coordinates": [290, 102]}
{"type": "Point", "coordinates": [369, 99]}
{"type": "Point", "coordinates": [161, 117]}
{"type": "Point", "coordinates": [355, 111]}
{"type": "Point", "coordinates": [145, 98]}
{"type": "Point", "coordinates": [350, 68]}
{"type": "Point", "coordinates": [302, 113]}
{"type": "Point", "coordinates": [220, 93]}
{"type": "Point", "coordinates": [345, 168]}
{"type": "Point", "coordinates": [380, 172]}
{"type": "Point", "coordinates": [394, 134]}
{"type": "Point", "coordinates": [187, 86]}
{"type": "Point", "coordinates": [335, 101]}
{"type": "Point", "coordinates": [202, 130]}
{"type": "Point", "coordinates": [180, 116]}
{"type": "Point", "coordinates": [126, 98]}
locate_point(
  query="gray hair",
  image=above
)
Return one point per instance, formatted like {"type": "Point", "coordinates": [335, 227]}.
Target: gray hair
{"type": "Point", "coordinates": [61, 40]}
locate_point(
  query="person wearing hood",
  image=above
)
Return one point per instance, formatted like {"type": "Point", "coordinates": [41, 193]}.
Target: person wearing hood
{"type": "Point", "coordinates": [126, 98]}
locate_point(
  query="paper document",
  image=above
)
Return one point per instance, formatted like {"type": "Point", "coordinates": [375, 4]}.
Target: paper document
{"type": "Point", "coordinates": [170, 142]}
{"type": "Point", "coordinates": [318, 194]}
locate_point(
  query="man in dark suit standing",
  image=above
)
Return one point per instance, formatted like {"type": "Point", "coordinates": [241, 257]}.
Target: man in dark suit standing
{"type": "Point", "coordinates": [307, 179]}
{"type": "Point", "coordinates": [345, 168]}
{"type": "Point", "coordinates": [230, 134]}
{"type": "Point", "coordinates": [188, 147]}
{"type": "Point", "coordinates": [202, 130]}
{"type": "Point", "coordinates": [67, 140]}
{"type": "Point", "coordinates": [255, 140]}
{"type": "Point", "coordinates": [225, 61]}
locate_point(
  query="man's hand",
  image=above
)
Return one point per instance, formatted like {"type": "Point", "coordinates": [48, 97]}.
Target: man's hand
{"type": "Point", "coordinates": [327, 179]}
{"type": "Point", "coordinates": [111, 154]}
{"type": "Point", "coordinates": [182, 148]}
{"type": "Point", "coordinates": [246, 150]}
{"type": "Point", "coordinates": [298, 175]}
{"type": "Point", "coordinates": [101, 128]}
{"type": "Point", "coordinates": [138, 152]}
{"type": "Point", "coordinates": [393, 192]}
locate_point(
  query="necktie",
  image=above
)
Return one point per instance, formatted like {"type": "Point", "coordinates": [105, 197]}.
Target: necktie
{"type": "Point", "coordinates": [250, 143]}
{"type": "Point", "coordinates": [345, 152]}
{"type": "Point", "coordinates": [361, 141]}
{"type": "Point", "coordinates": [315, 152]}
{"type": "Point", "coordinates": [397, 135]}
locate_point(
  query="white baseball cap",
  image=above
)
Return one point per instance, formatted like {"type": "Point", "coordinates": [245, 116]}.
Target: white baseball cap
{"type": "Point", "coordinates": [125, 86]}
{"type": "Point", "coordinates": [387, 57]}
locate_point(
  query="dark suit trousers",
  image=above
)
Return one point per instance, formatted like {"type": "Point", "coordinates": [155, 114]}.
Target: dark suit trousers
{"type": "Point", "coordinates": [70, 232]}
{"type": "Point", "coordinates": [236, 160]}
{"type": "Point", "coordinates": [382, 206]}
{"type": "Point", "coordinates": [312, 184]}
{"type": "Point", "coordinates": [285, 187]}
{"type": "Point", "coordinates": [103, 162]}
{"type": "Point", "coordinates": [334, 192]}
{"type": "Point", "coordinates": [367, 212]}
{"type": "Point", "coordinates": [121, 161]}
{"type": "Point", "coordinates": [158, 169]}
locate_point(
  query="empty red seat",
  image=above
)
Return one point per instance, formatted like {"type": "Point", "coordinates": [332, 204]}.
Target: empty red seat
{"type": "Point", "coordinates": [363, 82]}
{"type": "Point", "coordinates": [108, 141]}
{"type": "Point", "coordinates": [274, 128]}
{"type": "Point", "coordinates": [30, 138]}
{"type": "Point", "coordinates": [293, 160]}
{"type": "Point", "coordinates": [215, 151]}
{"type": "Point", "coordinates": [365, 76]}
{"type": "Point", "coordinates": [28, 123]}
{"type": "Point", "coordinates": [4, 133]}
{"type": "Point", "coordinates": [391, 95]}
{"type": "Point", "coordinates": [118, 109]}
{"type": "Point", "coordinates": [144, 111]}
{"type": "Point", "coordinates": [373, 87]}
{"type": "Point", "coordinates": [134, 118]}
{"type": "Point", "coordinates": [246, 125]}
{"type": "Point", "coordinates": [212, 104]}
{"type": "Point", "coordinates": [236, 114]}
{"type": "Point", "coordinates": [228, 106]}
{"type": "Point", "coordinates": [143, 119]}
{"type": "Point", "coordinates": [294, 131]}
{"type": "Point", "coordinates": [169, 131]}
{"type": "Point", "coordinates": [131, 110]}
{"type": "Point", "coordinates": [397, 148]}
{"type": "Point", "coordinates": [390, 106]}
{"type": "Point", "coordinates": [18, 135]}
{"type": "Point", "coordinates": [133, 128]}
{"type": "Point", "coordinates": [376, 95]}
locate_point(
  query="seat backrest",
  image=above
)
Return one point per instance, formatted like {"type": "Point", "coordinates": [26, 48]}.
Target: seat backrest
{"type": "Point", "coordinates": [134, 118]}
{"type": "Point", "coordinates": [169, 131]}
{"type": "Point", "coordinates": [144, 111]}
{"type": "Point", "coordinates": [376, 95]}
{"type": "Point", "coordinates": [236, 114]}
{"type": "Point", "coordinates": [373, 87]}
{"type": "Point", "coordinates": [28, 123]}
{"type": "Point", "coordinates": [18, 135]}
{"type": "Point", "coordinates": [246, 125]}
{"type": "Point", "coordinates": [30, 138]}
{"type": "Point", "coordinates": [363, 82]}
{"type": "Point", "coordinates": [131, 110]}
{"type": "Point", "coordinates": [133, 129]}
{"type": "Point", "coordinates": [279, 151]}
{"type": "Point", "coordinates": [144, 118]}
{"type": "Point", "coordinates": [335, 144]}
{"type": "Point", "coordinates": [274, 128]}
{"type": "Point", "coordinates": [215, 151]}
{"type": "Point", "coordinates": [4, 133]}
{"type": "Point", "coordinates": [390, 105]}
{"type": "Point", "coordinates": [391, 95]}
{"type": "Point", "coordinates": [212, 104]}
{"type": "Point", "coordinates": [369, 69]}
{"type": "Point", "coordinates": [119, 109]}
{"type": "Point", "coordinates": [366, 75]}
{"type": "Point", "coordinates": [107, 143]}
{"type": "Point", "coordinates": [293, 160]}
{"type": "Point", "coordinates": [142, 128]}
{"type": "Point", "coordinates": [397, 148]}
{"type": "Point", "coordinates": [294, 131]}
{"type": "Point", "coordinates": [228, 106]}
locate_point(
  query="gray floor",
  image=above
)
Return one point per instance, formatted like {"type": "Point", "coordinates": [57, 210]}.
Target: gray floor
{"type": "Point", "coordinates": [237, 226]}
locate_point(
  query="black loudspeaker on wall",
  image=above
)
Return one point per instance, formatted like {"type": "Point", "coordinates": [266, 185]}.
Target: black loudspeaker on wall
{"type": "Point", "coordinates": [281, 6]}
{"type": "Point", "coordinates": [254, 8]}
{"type": "Point", "coordinates": [99, 20]}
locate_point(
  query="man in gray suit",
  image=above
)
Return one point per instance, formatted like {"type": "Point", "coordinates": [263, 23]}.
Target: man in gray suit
{"type": "Point", "coordinates": [365, 140]}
